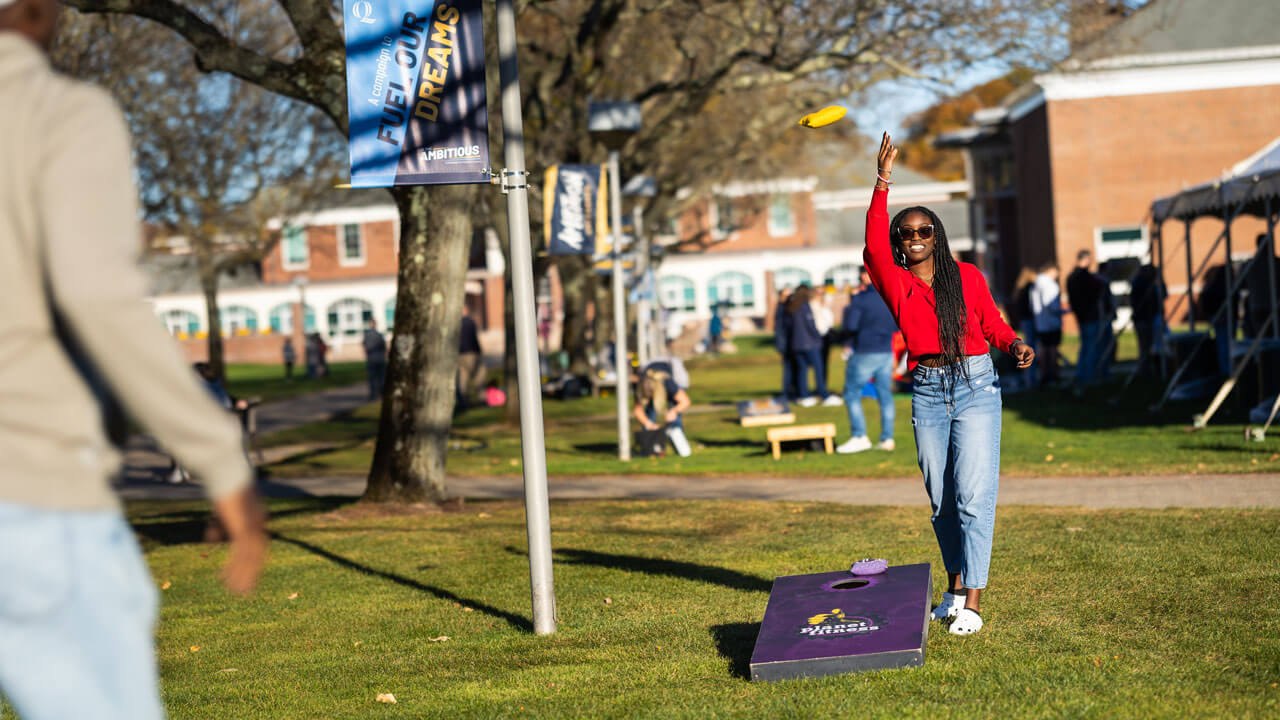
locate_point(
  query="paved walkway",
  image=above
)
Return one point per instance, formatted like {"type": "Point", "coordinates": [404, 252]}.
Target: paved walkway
{"type": "Point", "coordinates": [145, 469]}
{"type": "Point", "coordinates": [1156, 491]}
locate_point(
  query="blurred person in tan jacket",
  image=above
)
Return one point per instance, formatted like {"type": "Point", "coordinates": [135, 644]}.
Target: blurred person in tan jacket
{"type": "Point", "coordinates": [77, 605]}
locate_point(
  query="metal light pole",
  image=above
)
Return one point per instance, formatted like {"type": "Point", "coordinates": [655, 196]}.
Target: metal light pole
{"type": "Point", "coordinates": [533, 451]}
{"type": "Point", "coordinates": [614, 122]}
{"type": "Point", "coordinates": [620, 364]}
{"type": "Point", "coordinates": [642, 186]}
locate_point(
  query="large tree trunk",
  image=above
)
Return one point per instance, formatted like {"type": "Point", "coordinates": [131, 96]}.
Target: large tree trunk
{"type": "Point", "coordinates": [579, 287]}
{"type": "Point", "coordinates": [208, 271]}
{"type": "Point", "coordinates": [418, 402]}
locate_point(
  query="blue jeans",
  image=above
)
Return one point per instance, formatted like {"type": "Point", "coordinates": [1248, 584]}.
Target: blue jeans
{"type": "Point", "coordinates": [1087, 360]}
{"type": "Point", "coordinates": [1030, 376]}
{"type": "Point", "coordinates": [788, 376]}
{"type": "Point", "coordinates": [806, 359]}
{"type": "Point", "coordinates": [957, 429]}
{"type": "Point", "coordinates": [77, 615]}
{"type": "Point", "coordinates": [877, 367]}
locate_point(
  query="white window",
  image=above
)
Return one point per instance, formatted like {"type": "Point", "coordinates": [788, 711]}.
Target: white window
{"type": "Point", "coordinates": [180, 323]}
{"type": "Point", "coordinates": [845, 275]}
{"type": "Point", "coordinates": [350, 245]}
{"type": "Point", "coordinates": [791, 277]}
{"type": "Point", "coordinates": [238, 320]}
{"type": "Point", "coordinates": [677, 293]}
{"type": "Point", "coordinates": [348, 316]}
{"type": "Point", "coordinates": [1120, 241]}
{"type": "Point", "coordinates": [732, 288]}
{"type": "Point", "coordinates": [293, 248]}
{"type": "Point", "coordinates": [722, 217]}
{"type": "Point", "coordinates": [782, 221]}
{"type": "Point", "coordinates": [281, 318]}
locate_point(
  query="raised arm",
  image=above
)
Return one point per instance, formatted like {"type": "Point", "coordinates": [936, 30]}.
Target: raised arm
{"type": "Point", "coordinates": [878, 256]}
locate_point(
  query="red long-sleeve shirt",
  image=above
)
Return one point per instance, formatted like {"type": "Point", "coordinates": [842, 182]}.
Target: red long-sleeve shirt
{"type": "Point", "coordinates": [911, 300]}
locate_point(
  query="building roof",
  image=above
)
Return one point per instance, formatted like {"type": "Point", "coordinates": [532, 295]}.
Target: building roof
{"type": "Point", "coordinates": [1179, 26]}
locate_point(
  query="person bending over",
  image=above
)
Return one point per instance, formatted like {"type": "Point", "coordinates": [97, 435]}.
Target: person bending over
{"type": "Point", "coordinates": [658, 396]}
{"type": "Point", "coordinates": [948, 317]}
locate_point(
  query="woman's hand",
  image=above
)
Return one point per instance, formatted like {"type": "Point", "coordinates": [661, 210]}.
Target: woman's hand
{"type": "Point", "coordinates": [1023, 353]}
{"type": "Point", "coordinates": [884, 159]}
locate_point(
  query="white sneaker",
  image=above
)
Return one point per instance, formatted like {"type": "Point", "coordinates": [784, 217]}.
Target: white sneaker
{"type": "Point", "coordinates": [853, 445]}
{"type": "Point", "coordinates": [887, 444]}
{"type": "Point", "coordinates": [807, 401]}
{"type": "Point", "coordinates": [833, 401]}
{"type": "Point", "coordinates": [948, 608]}
{"type": "Point", "coordinates": [966, 622]}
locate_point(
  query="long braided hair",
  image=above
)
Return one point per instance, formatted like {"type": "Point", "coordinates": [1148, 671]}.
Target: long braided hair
{"type": "Point", "coordinates": [947, 291]}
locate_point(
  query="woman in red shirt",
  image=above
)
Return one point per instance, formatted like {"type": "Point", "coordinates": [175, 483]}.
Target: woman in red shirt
{"type": "Point", "coordinates": [947, 317]}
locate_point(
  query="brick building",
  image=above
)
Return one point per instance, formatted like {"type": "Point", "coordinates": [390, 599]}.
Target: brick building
{"type": "Point", "coordinates": [746, 241]}
{"type": "Point", "coordinates": [1175, 93]}
{"type": "Point", "coordinates": [339, 264]}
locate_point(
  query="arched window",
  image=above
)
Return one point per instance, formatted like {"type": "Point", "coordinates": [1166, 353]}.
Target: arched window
{"type": "Point", "coordinates": [732, 288]}
{"type": "Point", "coordinates": [391, 314]}
{"type": "Point", "coordinates": [843, 275]}
{"type": "Point", "coordinates": [180, 323]}
{"type": "Point", "coordinates": [348, 316]}
{"type": "Point", "coordinates": [238, 320]}
{"type": "Point", "coordinates": [677, 293]}
{"type": "Point", "coordinates": [791, 277]}
{"type": "Point", "coordinates": [281, 318]}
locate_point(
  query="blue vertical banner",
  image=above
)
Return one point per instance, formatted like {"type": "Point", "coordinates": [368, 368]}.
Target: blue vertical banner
{"type": "Point", "coordinates": [574, 202]}
{"type": "Point", "coordinates": [416, 92]}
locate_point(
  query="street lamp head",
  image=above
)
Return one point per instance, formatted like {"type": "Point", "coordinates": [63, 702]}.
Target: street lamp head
{"type": "Point", "coordinates": [640, 186]}
{"type": "Point", "coordinates": [613, 122]}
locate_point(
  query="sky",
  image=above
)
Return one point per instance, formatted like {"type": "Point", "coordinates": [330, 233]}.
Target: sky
{"type": "Point", "coordinates": [887, 105]}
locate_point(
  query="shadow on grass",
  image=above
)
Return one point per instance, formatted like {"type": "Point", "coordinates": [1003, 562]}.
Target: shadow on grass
{"type": "Point", "coordinates": [604, 448]}
{"type": "Point", "coordinates": [188, 526]}
{"type": "Point", "coordinates": [734, 642]}
{"type": "Point", "coordinates": [752, 444]}
{"type": "Point", "coordinates": [654, 566]}
{"type": "Point", "coordinates": [517, 621]}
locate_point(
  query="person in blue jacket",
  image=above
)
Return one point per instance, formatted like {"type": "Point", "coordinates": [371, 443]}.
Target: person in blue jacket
{"type": "Point", "coordinates": [781, 330]}
{"type": "Point", "coordinates": [869, 356]}
{"type": "Point", "coordinates": [805, 343]}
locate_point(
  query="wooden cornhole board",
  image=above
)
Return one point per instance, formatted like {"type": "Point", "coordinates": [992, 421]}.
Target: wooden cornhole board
{"type": "Point", "coordinates": [826, 432]}
{"type": "Point", "coordinates": [754, 413]}
{"type": "Point", "coordinates": [831, 623]}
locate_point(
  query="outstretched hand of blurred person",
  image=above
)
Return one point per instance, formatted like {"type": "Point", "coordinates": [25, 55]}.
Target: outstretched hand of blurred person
{"type": "Point", "coordinates": [245, 520]}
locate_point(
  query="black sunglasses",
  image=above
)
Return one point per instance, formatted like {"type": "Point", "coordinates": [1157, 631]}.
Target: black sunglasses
{"type": "Point", "coordinates": [906, 233]}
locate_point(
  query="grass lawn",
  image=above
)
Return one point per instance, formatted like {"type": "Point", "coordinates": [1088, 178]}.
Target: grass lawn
{"type": "Point", "coordinates": [267, 380]}
{"type": "Point", "coordinates": [1045, 433]}
{"type": "Point", "coordinates": [1091, 614]}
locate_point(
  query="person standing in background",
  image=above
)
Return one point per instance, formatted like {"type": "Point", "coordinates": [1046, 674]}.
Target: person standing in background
{"type": "Point", "coordinates": [1084, 292]}
{"type": "Point", "coordinates": [375, 358]}
{"type": "Point", "coordinates": [290, 356]}
{"type": "Point", "coordinates": [781, 336]}
{"type": "Point", "coordinates": [470, 362]}
{"type": "Point", "coordinates": [805, 343]}
{"type": "Point", "coordinates": [78, 347]}
{"type": "Point", "coordinates": [1046, 309]}
{"type": "Point", "coordinates": [1146, 295]}
{"type": "Point", "coordinates": [1026, 319]}
{"type": "Point", "coordinates": [825, 321]}
{"type": "Point", "coordinates": [869, 356]}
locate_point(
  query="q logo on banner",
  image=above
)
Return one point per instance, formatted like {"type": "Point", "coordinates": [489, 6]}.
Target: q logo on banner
{"type": "Point", "coordinates": [363, 11]}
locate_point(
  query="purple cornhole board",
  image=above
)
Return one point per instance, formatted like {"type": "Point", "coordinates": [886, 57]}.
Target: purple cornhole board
{"type": "Point", "coordinates": [818, 625]}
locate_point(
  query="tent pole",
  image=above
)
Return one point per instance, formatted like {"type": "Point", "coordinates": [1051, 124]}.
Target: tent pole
{"type": "Point", "coordinates": [1229, 303]}
{"type": "Point", "coordinates": [1191, 305]}
{"type": "Point", "coordinates": [1164, 306]}
{"type": "Point", "coordinates": [1271, 269]}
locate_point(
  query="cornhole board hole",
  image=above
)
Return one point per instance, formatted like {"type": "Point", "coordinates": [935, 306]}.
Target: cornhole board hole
{"type": "Point", "coordinates": [826, 432]}
{"type": "Point", "coordinates": [836, 622]}
{"type": "Point", "coordinates": [754, 413]}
